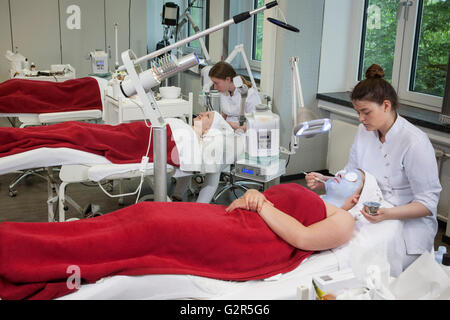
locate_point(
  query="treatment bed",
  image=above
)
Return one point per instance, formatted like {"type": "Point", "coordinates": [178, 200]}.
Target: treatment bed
{"type": "Point", "coordinates": [36, 102]}
{"type": "Point", "coordinates": [383, 239]}
{"type": "Point", "coordinates": [79, 164]}
{"type": "Point", "coordinates": [251, 261]}
{"type": "Point", "coordinates": [370, 244]}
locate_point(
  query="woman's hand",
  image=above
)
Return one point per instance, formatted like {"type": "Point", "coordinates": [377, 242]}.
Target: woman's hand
{"type": "Point", "coordinates": [312, 180]}
{"type": "Point", "coordinates": [252, 200]}
{"type": "Point", "coordinates": [237, 204]}
{"type": "Point", "coordinates": [378, 217]}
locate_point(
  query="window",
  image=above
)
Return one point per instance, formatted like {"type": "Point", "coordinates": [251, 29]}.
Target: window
{"type": "Point", "coordinates": [258, 21]}
{"type": "Point", "coordinates": [198, 11]}
{"type": "Point", "coordinates": [410, 41]}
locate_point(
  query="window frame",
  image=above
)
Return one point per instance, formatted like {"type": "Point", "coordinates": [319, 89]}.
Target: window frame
{"type": "Point", "coordinates": [254, 64]}
{"type": "Point", "coordinates": [205, 25]}
{"type": "Point", "coordinates": [403, 58]}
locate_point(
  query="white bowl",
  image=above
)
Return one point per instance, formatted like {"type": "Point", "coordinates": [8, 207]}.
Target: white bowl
{"type": "Point", "coordinates": [170, 92]}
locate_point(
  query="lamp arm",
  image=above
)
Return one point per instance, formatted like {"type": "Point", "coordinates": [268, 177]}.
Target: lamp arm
{"type": "Point", "coordinates": [202, 42]}
{"type": "Point", "coordinates": [240, 49]}
{"type": "Point", "coordinates": [235, 20]}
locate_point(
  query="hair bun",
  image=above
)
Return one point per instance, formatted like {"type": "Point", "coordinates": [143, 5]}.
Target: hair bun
{"type": "Point", "coordinates": [374, 72]}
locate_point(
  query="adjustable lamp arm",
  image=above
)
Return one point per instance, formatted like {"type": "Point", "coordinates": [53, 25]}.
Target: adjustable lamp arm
{"type": "Point", "coordinates": [240, 49]}
{"type": "Point", "coordinates": [202, 43]}
{"type": "Point", "coordinates": [235, 20]}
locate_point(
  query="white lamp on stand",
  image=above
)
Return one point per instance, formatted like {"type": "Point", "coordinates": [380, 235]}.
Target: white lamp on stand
{"type": "Point", "coordinates": [305, 123]}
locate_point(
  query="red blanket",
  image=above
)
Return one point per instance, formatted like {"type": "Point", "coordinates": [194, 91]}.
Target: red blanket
{"type": "Point", "coordinates": [152, 238]}
{"type": "Point", "coordinates": [34, 96]}
{"type": "Point", "coordinates": [124, 143]}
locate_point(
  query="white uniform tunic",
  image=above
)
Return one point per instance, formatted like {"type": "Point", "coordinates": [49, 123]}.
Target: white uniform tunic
{"type": "Point", "coordinates": [231, 105]}
{"type": "Point", "coordinates": [406, 170]}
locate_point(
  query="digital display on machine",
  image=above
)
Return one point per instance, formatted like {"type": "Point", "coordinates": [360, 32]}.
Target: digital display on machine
{"type": "Point", "coordinates": [99, 63]}
{"type": "Point", "coordinates": [247, 171]}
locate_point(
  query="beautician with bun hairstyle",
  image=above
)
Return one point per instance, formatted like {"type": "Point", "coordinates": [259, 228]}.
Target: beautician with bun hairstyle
{"type": "Point", "coordinates": [401, 158]}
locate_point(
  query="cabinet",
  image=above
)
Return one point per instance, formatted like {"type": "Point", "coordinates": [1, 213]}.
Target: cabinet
{"type": "Point", "coordinates": [5, 36]}
{"type": "Point", "coordinates": [65, 31]}
{"type": "Point", "coordinates": [35, 31]}
{"type": "Point", "coordinates": [122, 109]}
{"type": "Point", "coordinates": [76, 44]}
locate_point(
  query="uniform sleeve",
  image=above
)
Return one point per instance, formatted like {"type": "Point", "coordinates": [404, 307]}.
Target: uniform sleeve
{"type": "Point", "coordinates": [422, 172]}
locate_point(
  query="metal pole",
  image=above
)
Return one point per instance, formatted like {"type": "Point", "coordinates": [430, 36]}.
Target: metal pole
{"type": "Point", "coordinates": [160, 163]}
{"type": "Point", "coordinates": [181, 42]}
{"type": "Point", "coordinates": [236, 19]}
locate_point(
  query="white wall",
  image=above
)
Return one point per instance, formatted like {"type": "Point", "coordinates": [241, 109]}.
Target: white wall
{"type": "Point", "coordinates": [340, 45]}
{"type": "Point", "coordinates": [306, 15]}
{"type": "Point", "coordinates": [40, 31]}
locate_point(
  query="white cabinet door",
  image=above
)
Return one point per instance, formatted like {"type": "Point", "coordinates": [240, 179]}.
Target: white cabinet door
{"type": "Point", "coordinates": [80, 37]}
{"type": "Point", "coordinates": [131, 17]}
{"type": "Point", "coordinates": [117, 12]}
{"type": "Point", "coordinates": [5, 36]}
{"type": "Point", "coordinates": [138, 27]}
{"type": "Point", "coordinates": [35, 31]}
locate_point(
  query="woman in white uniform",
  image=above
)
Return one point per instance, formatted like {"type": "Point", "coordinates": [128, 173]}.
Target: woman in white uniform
{"type": "Point", "coordinates": [222, 75]}
{"type": "Point", "coordinates": [401, 158]}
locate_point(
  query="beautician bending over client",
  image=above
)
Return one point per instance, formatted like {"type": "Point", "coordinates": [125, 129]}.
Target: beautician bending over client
{"type": "Point", "coordinates": [222, 75]}
{"type": "Point", "coordinates": [401, 158]}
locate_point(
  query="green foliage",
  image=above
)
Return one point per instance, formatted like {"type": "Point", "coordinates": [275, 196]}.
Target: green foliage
{"type": "Point", "coordinates": [432, 49]}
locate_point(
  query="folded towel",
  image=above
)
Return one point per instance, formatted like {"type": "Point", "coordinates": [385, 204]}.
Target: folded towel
{"type": "Point", "coordinates": [35, 96]}
{"type": "Point", "coordinates": [152, 238]}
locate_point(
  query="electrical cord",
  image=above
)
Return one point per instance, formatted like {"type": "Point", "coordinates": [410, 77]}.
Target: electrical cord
{"type": "Point", "coordinates": [143, 163]}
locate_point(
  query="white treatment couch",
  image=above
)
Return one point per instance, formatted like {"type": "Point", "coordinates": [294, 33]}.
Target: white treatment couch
{"type": "Point", "coordinates": [79, 166]}
{"type": "Point", "coordinates": [381, 238]}
{"type": "Point", "coordinates": [36, 119]}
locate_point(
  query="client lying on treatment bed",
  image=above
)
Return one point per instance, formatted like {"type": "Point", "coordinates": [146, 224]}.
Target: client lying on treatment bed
{"type": "Point", "coordinates": [256, 237]}
{"type": "Point", "coordinates": [122, 144]}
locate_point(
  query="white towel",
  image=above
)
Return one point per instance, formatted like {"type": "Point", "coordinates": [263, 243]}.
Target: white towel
{"type": "Point", "coordinates": [384, 238]}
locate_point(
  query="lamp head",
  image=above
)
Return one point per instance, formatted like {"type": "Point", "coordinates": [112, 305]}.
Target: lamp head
{"type": "Point", "coordinates": [310, 125]}
{"type": "Point", "coordinates": [283, 25]}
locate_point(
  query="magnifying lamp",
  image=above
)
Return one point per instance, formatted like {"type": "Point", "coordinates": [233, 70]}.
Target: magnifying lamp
{"type": "Point", "coordinates": [305, 122]}
{"type": "Point", "coordinates": [282, 24]}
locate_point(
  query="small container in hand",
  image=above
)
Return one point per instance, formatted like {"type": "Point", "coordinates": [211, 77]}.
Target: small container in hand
{"type": "Point", "coordinates": [372, 207]}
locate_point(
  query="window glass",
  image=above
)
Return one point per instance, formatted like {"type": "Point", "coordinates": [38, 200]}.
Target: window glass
{"type": "Point", "coordinates": [432, 46]}
{"type": "Point", "coordinates": [258, 32]}
{"type": "Point", "coordinates": [197, 13]}
{"type": "Point", "coordinates": [379, 36]}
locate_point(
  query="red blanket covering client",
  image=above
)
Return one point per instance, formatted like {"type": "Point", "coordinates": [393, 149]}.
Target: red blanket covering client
{"type": "Point", "coordinates": [124, 143]}
{"type": "Point", "coordinates": [153, 238]}
{"type": "Point", "coordinates": [34, 96]}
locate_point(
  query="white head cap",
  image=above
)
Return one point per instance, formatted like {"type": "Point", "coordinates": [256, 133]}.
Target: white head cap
{"type": "Point", "coordinates": [219, 124]}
